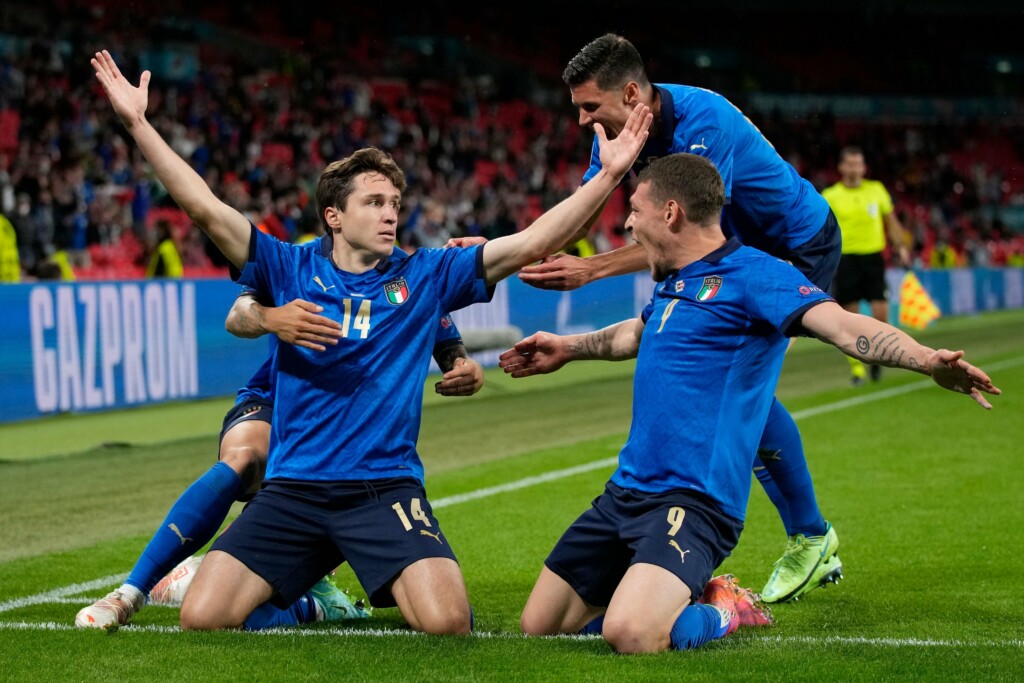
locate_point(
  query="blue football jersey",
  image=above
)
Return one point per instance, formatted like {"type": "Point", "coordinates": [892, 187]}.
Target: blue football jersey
{"type": "Point", "coordinates": [260, 385]}
{"type": "Point", "coordinates": [709, 359]}
{"type": "Point", "coordinates": [768, 204]}
{"type": "Point", "coordinates": [352, 412]}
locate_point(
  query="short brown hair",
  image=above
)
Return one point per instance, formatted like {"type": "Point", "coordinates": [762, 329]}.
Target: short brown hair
{"type": "Point", "coordinates": [691, 180]}
{"type": "Point", "coordinates": [336, 181]}
{"type": "Point", "coordinates": [611, 61]}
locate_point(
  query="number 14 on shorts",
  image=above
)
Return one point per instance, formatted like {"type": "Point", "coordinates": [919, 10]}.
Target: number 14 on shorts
{"type": "Point", "coordinates": [415, 510]}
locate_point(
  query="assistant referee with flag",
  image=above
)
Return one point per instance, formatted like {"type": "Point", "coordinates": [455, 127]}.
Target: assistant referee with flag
{"type": "Point", "coordinates": [865, 213]}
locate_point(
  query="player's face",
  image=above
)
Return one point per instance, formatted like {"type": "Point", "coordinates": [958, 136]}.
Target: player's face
{"type": "Point", "coordinates": [647, 224]}
{"type": "Point", "coordinates": [369, 221]}
{"type": "Point", "coordinates": [610, 108]}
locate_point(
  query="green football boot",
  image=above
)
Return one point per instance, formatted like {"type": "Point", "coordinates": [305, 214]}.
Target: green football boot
{"type": "Point", "coordinates": [333, 604]}
{"type": "Point", "coordinates": [809, 562]}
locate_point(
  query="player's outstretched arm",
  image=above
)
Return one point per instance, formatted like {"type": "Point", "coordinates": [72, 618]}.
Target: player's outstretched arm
{"type": "Point", "coordinates": [297, 322]}
{"type": "Point", "coordinates": [228, 229]}
{"type": "Point", "coordinates": [544, 352]}
{"type": "Point", "coordinates": [873, 341]}
{"type": "Point", "coordinates": [506, 255]}
{"type": "Point", "coordinates": [564, 272]}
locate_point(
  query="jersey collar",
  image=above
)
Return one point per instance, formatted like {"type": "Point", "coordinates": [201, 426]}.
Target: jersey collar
{"type": "Point", "coordinates": [731, 245]}
{"type": "Point", "coordinates": [659, 146]}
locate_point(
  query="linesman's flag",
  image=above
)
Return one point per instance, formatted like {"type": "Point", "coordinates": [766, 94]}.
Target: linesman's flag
{"type": "Point", "coordinates": [917, 309]}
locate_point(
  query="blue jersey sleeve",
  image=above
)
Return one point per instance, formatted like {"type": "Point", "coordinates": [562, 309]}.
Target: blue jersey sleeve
{"type": "Point", "coordinates": [447, 333]}
{"type": "Point", "coordinates": [459, 275]}
{"type": "Point", "coordinates": [271, 262]}
{"type": "Point", "coordinates": [780, 294]}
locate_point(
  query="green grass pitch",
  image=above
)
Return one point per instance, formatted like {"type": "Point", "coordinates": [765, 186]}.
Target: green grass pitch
{"type": "Point", "coordinates": [923, 487]}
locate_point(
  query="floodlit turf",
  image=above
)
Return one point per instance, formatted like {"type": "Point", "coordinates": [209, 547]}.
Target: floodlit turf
{"type": "Point", "coordinates": [922, 486]}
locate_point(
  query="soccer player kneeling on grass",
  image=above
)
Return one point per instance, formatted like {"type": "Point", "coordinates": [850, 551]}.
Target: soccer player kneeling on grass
{"type": "Point", "coordinates": [344, 482]}
{"type": "Point", "coordinates": [637, 566]}
{"type": "Point", "coordinates": [242, 460]}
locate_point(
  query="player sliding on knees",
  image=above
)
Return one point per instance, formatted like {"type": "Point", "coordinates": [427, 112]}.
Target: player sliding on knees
{"type": "Point", "coordinates": [709, 349]}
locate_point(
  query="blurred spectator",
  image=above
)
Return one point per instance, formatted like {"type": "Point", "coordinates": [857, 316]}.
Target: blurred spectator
{"type": "Point", "coordinates": [478, 127]}
{"type": "Point", "coordinates": [165, 257]}
{"type": "Point", "coordinates": [10, 264]}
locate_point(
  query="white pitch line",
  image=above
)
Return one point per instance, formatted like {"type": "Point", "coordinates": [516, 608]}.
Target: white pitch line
{"type": "Point", "coordinates": [499, 635]}
{"type": "Point", "coordinates": [529, 481]}
{"type": "Point", "coordinates": [524, 483]}
{"type": "Point", "coordinates": [58, 593]}
{"type": "Point", "coordinates": [894, 391]}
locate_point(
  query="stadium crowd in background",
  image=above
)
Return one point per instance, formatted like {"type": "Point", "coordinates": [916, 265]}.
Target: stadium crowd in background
{"type": "Point", "coordinates": [81, 200]}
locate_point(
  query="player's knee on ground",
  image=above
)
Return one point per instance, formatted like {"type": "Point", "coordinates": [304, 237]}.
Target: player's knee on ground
{"type": "Point", "coordinates": [248, 462]}
{"type": "Point", "coordinates": [633, 636]}
{"type": "Point", "coordinates": [196, 617]}
{"type": "Point", "coordinates": [536, 622]}
{"type": "Point", "coordinates": [446, 620]}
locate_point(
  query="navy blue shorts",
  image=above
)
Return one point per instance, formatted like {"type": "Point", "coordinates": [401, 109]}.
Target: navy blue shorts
{"type": "Point", "coordinates": [818, 259]}
{"type": "Point", "coordinates": [248, 409]}
{"type": "Point", "coordinates": [681, 531]}
{"type": "Point", "coordinates": [293, 533]}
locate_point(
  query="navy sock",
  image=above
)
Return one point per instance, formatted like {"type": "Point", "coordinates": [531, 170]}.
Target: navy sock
{"type": "Point", "coordinates": [595, 627]}
{"type": "Point", "coordinates": [698, 624]}
{"type": "Point", "coordinates": [302, 611]}
{"type": "Point", "coordinates": [191, 523]}
{"type": "Point", "coordinates": [781, 451]}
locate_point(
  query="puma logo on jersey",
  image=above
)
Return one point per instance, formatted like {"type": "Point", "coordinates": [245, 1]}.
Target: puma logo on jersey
{"type": "Point", "coordinates": [316, 279]}
{"type": "Point", "coordinates": [436, 537]}
{"type": "Point", "coordinates": [174, 527]}
{"type": "Point", "coordinates": [682, 553]}
{"type": "Point", "coordinates": [700, 146]}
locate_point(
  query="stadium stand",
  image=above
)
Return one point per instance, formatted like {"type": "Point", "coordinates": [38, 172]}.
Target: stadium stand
{"type": "Point", "coordinates": [472, 106]}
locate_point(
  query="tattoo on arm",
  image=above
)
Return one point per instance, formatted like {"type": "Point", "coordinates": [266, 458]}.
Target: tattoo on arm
{"type": "Point", "coordinates": [590, 346]}
{"type": "Point", "coordinates": [863, 345]}
{"type": "Point", "coordinates": [447, 356]}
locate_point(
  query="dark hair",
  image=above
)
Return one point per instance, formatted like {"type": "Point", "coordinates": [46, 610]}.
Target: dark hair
{"type": "Point", "coordinates": [335, 184]}
{"type": "Point", "coordinates": [611, 61]}
{"type": "Point", "coordinates": [850, 151]}
{"type": "Point", "coordinates": [691, 180]}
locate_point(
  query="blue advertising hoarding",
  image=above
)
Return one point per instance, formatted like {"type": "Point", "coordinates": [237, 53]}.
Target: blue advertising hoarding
{"type": "Point", "coordinates": [88, 346]}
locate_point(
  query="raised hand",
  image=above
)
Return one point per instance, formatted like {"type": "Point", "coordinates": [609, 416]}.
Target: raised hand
{"type": "Point", "coordinates": [618, 155]}
{"type": "Point", "coordinates": [129, 102]}
{"type": "Point", "coordinates": [950, 371]}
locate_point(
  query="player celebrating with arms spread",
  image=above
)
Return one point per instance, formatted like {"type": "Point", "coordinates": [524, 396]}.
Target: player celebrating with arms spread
{"type": "Point", "coordinates": [709, 349]}
{"type": "Point", "coordinates": [344, 481]}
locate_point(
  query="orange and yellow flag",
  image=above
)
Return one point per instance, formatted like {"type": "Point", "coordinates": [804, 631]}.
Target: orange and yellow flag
{"type": "Point", "coordinates": [917, 310]}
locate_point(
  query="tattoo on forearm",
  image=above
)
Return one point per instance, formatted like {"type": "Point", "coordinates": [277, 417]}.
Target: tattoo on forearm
{"type": "Point", "coordinates": [589, 345]}
{"type": "Point", "coordinates": [863, 345]}
{"type": "Point", "coordinates": [447, 356]}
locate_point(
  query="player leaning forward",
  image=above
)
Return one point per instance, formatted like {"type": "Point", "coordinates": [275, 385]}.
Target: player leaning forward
{"type": "Point", "coordinates": [709, 349]}
{"type": "Point", "coordinates": [344, 481]}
